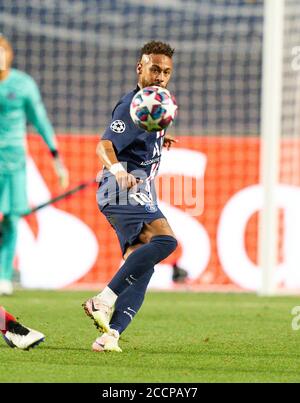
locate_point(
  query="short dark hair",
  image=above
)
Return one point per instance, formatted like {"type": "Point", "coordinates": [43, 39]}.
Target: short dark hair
{"type": "Point", "coordinates": [156, 48]}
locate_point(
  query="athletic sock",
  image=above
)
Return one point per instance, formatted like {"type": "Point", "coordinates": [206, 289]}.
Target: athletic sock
{"type": "Point", "coordinates": [142, 260]}
{"type": "Point", "coordinates": [107, 296]}
{"type": "Point", "coordinates": [129, 303]}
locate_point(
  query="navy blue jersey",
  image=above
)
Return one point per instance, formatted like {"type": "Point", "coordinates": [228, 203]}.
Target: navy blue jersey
{"type": "Point", "coordinates": [138, 151]}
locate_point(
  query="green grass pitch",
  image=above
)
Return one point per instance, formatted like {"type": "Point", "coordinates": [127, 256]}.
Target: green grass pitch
{"type": "Point", "coordinates": [177, 337]}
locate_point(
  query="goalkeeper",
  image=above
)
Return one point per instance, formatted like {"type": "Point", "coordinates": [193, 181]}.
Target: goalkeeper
{"type": "Point", "coordinates": [20, 101]}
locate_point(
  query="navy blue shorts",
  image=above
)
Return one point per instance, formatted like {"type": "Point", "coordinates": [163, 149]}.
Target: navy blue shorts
{"type": "Point", "coordinates": [128, 221]}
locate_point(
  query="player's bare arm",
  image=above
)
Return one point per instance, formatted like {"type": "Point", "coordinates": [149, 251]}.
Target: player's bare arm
{"type": "Point", "coordinates": [107, 156]}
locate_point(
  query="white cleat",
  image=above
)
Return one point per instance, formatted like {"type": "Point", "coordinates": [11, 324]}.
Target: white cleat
{"type": "Point", "coordinates": [107, 342]}
{"type": "Point", "coordinates": [99, 312]}
{"type": "Point", "coordinates": [6, 287]}
{"type": "Point", "coordinates": [23, 337]}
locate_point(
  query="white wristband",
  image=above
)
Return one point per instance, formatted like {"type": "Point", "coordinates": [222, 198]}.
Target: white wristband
{"type": "Point", "coordinates": [116, 168]}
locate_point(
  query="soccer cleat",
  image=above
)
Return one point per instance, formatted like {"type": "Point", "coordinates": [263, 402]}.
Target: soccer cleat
{"type": "Point", "coordinates": [22, 337]}
{"type": "Point", "coordinates": [6, 287]}
{"type": "Point", "coordinates": [99, 312]}
{"type": "Point", "coordinates": [107, 342]}
{"type": "Point", "coordinates": [179, 274]}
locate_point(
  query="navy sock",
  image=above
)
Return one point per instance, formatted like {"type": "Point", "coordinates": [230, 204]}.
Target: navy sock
{"type": "Point", "coordinates": [141, 260]}
{"type": "Point", "coordinates": [129, 302]}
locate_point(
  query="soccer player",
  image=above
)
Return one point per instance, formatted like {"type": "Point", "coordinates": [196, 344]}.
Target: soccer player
{"type": "Point", "coordinates": [17, 335]}
{"type": "Point", "coordinates": [20, 101]}
{"type": "Point", "coordinates": [126, 196]}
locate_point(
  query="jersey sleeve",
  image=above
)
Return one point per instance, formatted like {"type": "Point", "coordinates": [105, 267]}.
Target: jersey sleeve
{"type": "Point", "coordinates": [121, 130]}
{"type": "Point", "coordinates": [37, 115]}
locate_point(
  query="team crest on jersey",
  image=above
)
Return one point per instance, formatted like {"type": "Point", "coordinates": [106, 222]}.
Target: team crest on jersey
{"type": "Point", "coordinates": [151, 208]}
{"type": "Point", "coordinates": [118, 126]}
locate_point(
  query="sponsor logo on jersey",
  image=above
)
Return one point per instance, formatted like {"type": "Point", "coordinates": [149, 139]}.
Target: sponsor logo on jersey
{"type": "Point", "coordinates": [149, 162]}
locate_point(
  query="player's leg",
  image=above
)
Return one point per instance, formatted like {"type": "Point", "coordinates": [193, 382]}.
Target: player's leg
{"type": "Point", "coordinates": [17, 335]}
{"type": "Point", "coordinates": [8, 249]}
{"type": "Point", "coordinates": [157, 227]}
{"type": "Point", "coordinates": [127, 306]}
{"type": "Point", "coordinates": [162, 243]}
{"type": "Point", "coordinates": [129, 303]}
{"type": "Point", "coordinates": [131, 300]}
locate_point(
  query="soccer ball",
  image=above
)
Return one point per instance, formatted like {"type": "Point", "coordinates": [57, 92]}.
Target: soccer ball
{"type": "Point", "coordinates": [153, 109]}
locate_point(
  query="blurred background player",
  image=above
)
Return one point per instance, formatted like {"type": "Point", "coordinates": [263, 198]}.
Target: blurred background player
{"type": "Point", "coordinates": [145, 235]}
{"type": "Point", "coordinates": [20, 101]}
{"type": "Point", "coordinates": [17, 335]}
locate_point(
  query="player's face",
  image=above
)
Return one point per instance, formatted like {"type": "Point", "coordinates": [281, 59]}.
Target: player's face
{"type": "Point", "coordinates": [6, 55]}
{"type": "Point", "coordinates": [154, 70]}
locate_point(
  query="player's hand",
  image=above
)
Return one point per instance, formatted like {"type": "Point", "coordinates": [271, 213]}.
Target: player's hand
{"type": "Point", "coordinates": [61, 172]}
{"type": "Point", "coordinates": [126, 180]}
{"type": "Point", "coordinates": [169, 141]}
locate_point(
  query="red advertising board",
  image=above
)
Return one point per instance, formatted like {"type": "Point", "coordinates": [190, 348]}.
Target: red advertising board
{"type": "Point", "coordinates": [223, 167]}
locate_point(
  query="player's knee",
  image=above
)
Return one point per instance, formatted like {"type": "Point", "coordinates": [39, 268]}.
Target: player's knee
{"type": "Point", "coordinates": [158, 227]}
{"type": "Point", "coordinates": [130, 250]}
{"type": "Point", "coordinates": [168, 243]}
{"type": "Point", "coordinates": [172, 241]}
{"type": "Point", "coordinates": [145, 237]}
